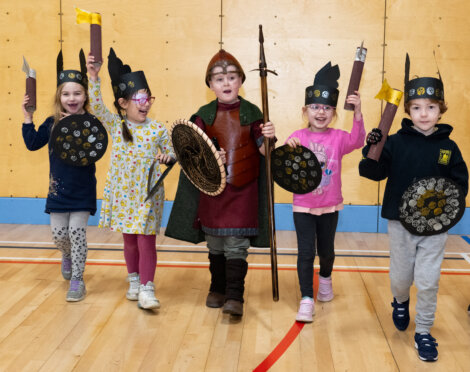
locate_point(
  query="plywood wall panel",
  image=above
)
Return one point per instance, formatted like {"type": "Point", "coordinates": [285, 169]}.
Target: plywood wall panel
{"type": "Point", "coordinates": [301, 37]}
{"type": "Point", "coordinates": [173, 42]}
{"type": "Point", "coordinates": [33, 31]}
{"type": "Point", "coordinates": [442, 28]}
{"type": "Point", "coordinates": [166, 41]}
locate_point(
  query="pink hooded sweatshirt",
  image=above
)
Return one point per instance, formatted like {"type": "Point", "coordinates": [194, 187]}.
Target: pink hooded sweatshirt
{"type": "Point", "coordinates": [329, 147]}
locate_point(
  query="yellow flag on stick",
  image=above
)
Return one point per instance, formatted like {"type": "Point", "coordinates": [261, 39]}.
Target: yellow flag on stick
{"type": "Point", "coordinates": [389, 94]}
{"type": "Point", "coordinates": [84, 16]}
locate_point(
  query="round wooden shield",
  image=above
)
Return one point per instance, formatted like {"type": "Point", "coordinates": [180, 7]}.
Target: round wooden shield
{"type": "Point", "coordinates": [295, 169]}
{"type": "Point", "coordinates": [79, 140]}
{"type": "Point", "coordinates": [198, 157]}
{"type": "Point", "coordinates": [431, 205]}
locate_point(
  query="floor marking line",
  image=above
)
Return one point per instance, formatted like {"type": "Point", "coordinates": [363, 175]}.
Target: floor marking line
{"type": "Point", "coordinates": [446, 256]}
{"type": "Point", "coordinates": [280, 349]}
{"type": "Point", "coordinates": [203, 265]}
{"type": "Point", "coordinates": [91, 245]}
{"type": "Point", "coordinates": [189, 263]}
{"type": "Point", "coordinates": [465, 257]}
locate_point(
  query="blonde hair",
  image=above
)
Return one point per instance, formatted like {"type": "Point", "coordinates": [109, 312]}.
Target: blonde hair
{"type": "Point", "coordinates": [304, 116]}
{"type": "Point", "coordinates": [58, 109]}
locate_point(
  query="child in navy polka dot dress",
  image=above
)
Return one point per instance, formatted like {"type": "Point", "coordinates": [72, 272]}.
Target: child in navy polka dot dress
{"type": "Point", "coordinates": [72, 189]}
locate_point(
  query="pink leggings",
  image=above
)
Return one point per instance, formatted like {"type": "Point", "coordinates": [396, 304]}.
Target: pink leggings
{"type": "Point", "coordinates": [141, 255]}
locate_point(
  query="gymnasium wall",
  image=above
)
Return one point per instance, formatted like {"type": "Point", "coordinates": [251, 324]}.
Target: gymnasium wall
{"type": "Point", "coordinates": [172, 41]}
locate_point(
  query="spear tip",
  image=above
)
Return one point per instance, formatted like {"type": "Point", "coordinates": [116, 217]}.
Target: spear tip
{"type": "Point", "coordinates": [261, 37]}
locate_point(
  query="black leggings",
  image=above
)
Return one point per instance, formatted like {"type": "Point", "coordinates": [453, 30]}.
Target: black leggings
{"type": "Point", "coordinates": [314, 231]}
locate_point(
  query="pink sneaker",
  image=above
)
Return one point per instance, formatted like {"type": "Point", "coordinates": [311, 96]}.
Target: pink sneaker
{"type": "Point", "coordinates": [306, 311]}
{"type": "Point", "coordinates": [325, 289]}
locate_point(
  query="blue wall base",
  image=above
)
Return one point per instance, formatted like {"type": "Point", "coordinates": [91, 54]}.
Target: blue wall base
{"type": "Point", "coordinates": [354, 218]}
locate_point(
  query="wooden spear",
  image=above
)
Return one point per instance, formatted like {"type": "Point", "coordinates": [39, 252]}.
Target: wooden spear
{"type": "Point", "coordinates": [263, 73]}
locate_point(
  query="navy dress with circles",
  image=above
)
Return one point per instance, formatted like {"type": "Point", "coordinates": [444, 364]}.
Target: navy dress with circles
{"type": "Point", "coordinates": [71, 189]}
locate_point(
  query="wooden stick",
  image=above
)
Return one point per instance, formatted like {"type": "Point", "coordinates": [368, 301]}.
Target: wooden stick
{"type": "Point", "coordinates": [356, 74]}
{"type": "Point", "coordinates": [263, 72]}
{"type": "Point", "coordinates": [385, 123]}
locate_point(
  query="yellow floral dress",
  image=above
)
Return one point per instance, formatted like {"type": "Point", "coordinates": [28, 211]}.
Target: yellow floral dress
{"type": "Point", "coordinates": [124, 208]}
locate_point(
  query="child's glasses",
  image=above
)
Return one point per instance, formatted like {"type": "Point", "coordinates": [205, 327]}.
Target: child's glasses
{"type": "Point", "coordinates": [142, 100]}
{"type": "Point", "coordinates": [325, 108]}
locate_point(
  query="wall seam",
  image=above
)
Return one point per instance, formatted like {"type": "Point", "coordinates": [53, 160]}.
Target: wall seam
{"type": "Point", "coordinates": [384, 45]}
{"type": "Point", "coordinates": [221, 16]}
{"type": "Point", "coordinates": [60, 23]}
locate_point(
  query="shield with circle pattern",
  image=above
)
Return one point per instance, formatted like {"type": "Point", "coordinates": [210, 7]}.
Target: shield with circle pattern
{"type": "Point", "coordinates": [431, 205]}
{"type": "Point", "coordinates": [295, 169]}
{"type": "Point", "coordinates": [79, 140]}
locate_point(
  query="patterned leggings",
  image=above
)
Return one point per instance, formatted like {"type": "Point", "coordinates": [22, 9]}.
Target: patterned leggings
{"type": "Point", "coordinates": [69, 235]}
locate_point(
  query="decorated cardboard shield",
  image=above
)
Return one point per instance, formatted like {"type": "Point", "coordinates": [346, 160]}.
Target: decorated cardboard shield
{"type": "Point", "coordinates": [79, 140]}
{"type": "Point", "coordinates": [198, 157]}
{"type": "Point", "coordinates": [431, 206]}
{"type": "Point", "coordinates": [295, 169]}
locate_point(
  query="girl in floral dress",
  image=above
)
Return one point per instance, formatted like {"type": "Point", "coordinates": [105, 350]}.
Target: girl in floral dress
{"type": "Point", "coordinates": [137, 143]}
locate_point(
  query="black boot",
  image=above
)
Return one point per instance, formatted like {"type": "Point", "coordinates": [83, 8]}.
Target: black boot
{"type": "Point", "coordinates": [236, 270]}
{"type": "Point", "coordinates": [216, 296]}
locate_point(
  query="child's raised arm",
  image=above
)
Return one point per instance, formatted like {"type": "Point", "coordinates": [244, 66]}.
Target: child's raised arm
{"type": "Point", "coordinates": [355, 99]}
{"type": "Point", "coordinates": [97, 106]}
{"type": "Point", "coordinates": [28, 116]}
{"type": "Point", "coordinates": [92, 68]}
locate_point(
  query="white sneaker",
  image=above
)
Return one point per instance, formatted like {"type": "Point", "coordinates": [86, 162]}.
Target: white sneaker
{"type": "Point", "coordinates": [306, 311]}
{"type": "Point", "coordinates": [134, 284]}
{"type": "Point", "coordinates": [147, 298]}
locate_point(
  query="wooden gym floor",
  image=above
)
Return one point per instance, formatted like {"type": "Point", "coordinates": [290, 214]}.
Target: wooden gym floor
{"type": "Point", "coordinates": [40, 331]}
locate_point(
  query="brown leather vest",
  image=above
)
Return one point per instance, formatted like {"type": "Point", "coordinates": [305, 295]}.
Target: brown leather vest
{"type": "Point", "coordinates": [242, 152]}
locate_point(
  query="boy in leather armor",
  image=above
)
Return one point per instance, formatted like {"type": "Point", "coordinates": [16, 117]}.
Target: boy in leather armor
{"type": "Point", "coordinates": [232, 220]}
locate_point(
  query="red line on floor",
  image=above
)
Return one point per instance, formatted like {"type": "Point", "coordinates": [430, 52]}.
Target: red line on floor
{"type": "Point", "coordinates": [280, 348]}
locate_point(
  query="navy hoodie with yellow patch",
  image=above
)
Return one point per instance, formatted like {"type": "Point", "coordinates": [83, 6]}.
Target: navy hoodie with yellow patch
{"type": "Point", "coordinates": [408, 156]}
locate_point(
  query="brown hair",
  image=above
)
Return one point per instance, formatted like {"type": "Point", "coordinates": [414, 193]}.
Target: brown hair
{"type": "Point", "coordinates": [442, 105]}
{"type": "Point", "coordinates": [126, 133]}
{"type": "Point", "coordinates": [58, 109]}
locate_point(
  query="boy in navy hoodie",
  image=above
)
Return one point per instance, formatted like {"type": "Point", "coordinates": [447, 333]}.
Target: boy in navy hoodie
{"type": "Point", "coordinates": [419, 149]}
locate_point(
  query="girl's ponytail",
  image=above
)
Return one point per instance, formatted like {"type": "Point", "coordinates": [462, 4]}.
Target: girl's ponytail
{"type": "Point", "coordinates": [126, 133]}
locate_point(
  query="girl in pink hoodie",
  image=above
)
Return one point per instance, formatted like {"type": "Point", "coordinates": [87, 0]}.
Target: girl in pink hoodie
{"type": "Point", "coordinates": [316, 213]}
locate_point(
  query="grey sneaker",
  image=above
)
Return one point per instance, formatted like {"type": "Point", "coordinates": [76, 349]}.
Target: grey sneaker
{"type": "Point", "coordinates": [134, 284]}
{"type": "Point", "coordinates": [66, 267]}
{"type": "Point", "coordinates": [77, 291]}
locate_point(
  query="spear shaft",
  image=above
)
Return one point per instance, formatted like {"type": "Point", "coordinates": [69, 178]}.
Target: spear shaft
{"type": "Point", "coordinates": [263, 73]}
